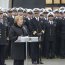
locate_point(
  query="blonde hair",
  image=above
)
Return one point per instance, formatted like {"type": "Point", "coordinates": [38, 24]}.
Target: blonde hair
{"type": "Point", "coordinates": [17, 18]}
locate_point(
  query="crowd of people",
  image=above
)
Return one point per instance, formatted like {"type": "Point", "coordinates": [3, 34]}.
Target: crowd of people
{"type": "Point", "coordinates": [45, 23]}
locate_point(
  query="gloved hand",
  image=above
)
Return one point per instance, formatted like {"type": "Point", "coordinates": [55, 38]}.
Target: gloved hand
{"type": "Point", "coordinates": [39, 46]}
{"type": "Point", "coordinates": [7, 38]}
{"type": "Point", "coordinates": [39, 34]}
{"type": "Point", "coordinates": [34, 33]}
{"type": "Point", "coordinates": [43, 31]}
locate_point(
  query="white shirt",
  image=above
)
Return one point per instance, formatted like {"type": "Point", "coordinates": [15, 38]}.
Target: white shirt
{"type": "Point", "coordinates": [37, 18]}
{"type": "Point", "coordinates": [51, 22]}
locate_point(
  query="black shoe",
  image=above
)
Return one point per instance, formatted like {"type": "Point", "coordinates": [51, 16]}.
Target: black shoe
{"type": "Point", "coordinates": [41, 63]}
{"type": "Point", "coordinates": [51, 57]}
{"type": "Point", "coordinates": [62, 57]}
{"type": "Point", "coordinates": [47, 57]}
{"type": "Point", "coordinates": [34, 62]}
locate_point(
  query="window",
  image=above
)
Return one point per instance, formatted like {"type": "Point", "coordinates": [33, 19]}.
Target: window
{"type": "Point", "coordinates": [63, 1]}
{"type": "Point", "coordinates": [53, 1]}
{"type": "Point", "coordinates": [56, 1]}
{"type": "Point", "coordinates": [48, 1]}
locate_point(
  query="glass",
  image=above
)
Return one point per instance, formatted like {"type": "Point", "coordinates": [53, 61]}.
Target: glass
{"type": "Point", "coordinates": [63, 1]}
{"type": "Point", "coordinates": [56, 1]}
{"type": "Point", "coordinates": [48, 1]}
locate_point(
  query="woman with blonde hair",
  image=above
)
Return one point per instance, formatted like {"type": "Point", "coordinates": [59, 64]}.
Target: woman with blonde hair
{"type": "Point", "coordinates": [18, 48]}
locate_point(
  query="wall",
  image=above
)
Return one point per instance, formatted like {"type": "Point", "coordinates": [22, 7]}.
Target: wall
{"type": "Point", "coordinates": [4, 4]}
{"type": "Point", "coordinates": [28, 3]}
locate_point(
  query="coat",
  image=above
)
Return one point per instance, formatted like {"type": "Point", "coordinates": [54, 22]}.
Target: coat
{"type": "Point", "coordinates": [10, 21]}
{"type": "Point", "coordinates": [3, 36]}
{"type": "Point", "coordinates": [50, 31]}
{"type": "Point", "coordinates": [17, 49]}
{"type": "Point", "coordinates": [63, 29]}
{"type": "Point", "coordinates": [28, 24]}
{"type": "Point", "coordinates": [58, 29]}
{"type": "Point", "coordinates": [35, 26]}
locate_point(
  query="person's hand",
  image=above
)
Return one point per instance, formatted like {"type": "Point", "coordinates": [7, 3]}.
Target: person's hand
{"type": "Point", "coordinates": [39, 34]}
{"type": "Point", "coordinates": [43, 31]}
{"type": "Point", "coordinates": [7, 38]}
{"type": "Point", "coordinates": [39, 46]}
{"type": "Point", "coordinates": [34, 32]}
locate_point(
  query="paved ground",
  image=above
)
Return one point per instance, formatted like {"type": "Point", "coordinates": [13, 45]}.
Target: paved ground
{"type": "Point", "coordinates": [45, 61]}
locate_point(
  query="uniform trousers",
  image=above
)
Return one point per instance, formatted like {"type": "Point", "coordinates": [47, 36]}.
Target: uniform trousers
{"type": "Point", "coordinates": [2, 54]}
{"type": "Point", "coordinates": [18, 62]}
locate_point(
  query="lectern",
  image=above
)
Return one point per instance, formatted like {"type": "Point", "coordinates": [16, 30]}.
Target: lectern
{"type": "Point", "coordinates": [27, 39]}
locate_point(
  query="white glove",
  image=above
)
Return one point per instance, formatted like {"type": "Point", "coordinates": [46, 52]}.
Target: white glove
{"type": "Point", "coordinates": [43, 31]}
{"type": "Point", "coordinates": [34, 32]}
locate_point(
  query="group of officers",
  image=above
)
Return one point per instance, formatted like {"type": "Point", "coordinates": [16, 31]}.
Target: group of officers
{"type": "Point", "coordinates": [47, 24]}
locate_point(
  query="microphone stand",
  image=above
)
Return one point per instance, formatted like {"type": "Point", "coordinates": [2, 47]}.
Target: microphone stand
{"type": "Point", "coordinates": [40, 49]}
